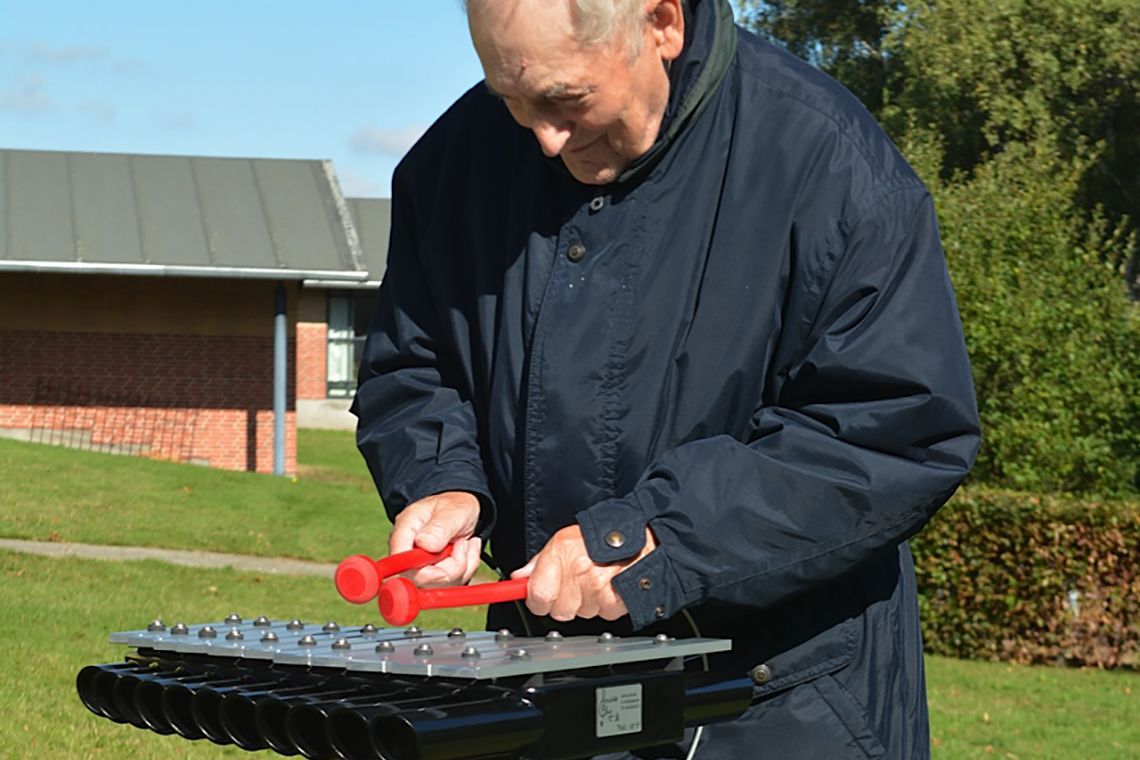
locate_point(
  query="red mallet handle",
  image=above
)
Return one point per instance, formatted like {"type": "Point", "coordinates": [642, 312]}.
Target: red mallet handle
{"type": "Point", "coordinates": [358, 577]}
{"type": "Point", "coordinates": [401, 600]}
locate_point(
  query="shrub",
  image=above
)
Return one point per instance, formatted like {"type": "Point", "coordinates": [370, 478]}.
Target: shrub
{"type": "Point", "coordinates": [1004, 575]}
{"type": "Point", "coordinates": [1054, 341]}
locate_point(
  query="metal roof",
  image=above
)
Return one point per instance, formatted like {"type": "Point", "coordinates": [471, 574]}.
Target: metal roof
{"type": "Point", "coordinates": [373, 218]}
{"type": "Point", "coordinates": [175, 215]}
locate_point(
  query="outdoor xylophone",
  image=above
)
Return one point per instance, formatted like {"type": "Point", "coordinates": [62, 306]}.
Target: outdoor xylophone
{"type": "Point", "coordinates": [407, 694]}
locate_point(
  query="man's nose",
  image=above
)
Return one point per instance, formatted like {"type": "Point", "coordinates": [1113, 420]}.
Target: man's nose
{"type": "Point", "coordinates": [552, 137]}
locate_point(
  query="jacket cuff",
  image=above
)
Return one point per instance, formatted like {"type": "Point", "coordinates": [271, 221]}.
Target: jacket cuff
{"type": "Point", "coordinates": [613, 530]}
{"type": "Point", "coordinates": [649, 590]}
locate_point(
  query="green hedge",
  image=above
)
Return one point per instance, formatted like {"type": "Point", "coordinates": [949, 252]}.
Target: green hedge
{"type": "Point", "coordinates": [1004, 575]}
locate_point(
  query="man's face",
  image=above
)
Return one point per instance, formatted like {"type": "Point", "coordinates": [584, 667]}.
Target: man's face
{"type": "Point", "coordinates": [598, 108]}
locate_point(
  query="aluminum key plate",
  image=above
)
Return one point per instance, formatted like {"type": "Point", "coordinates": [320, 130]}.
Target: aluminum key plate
{"type": "Point", "coordinates": [452, 654]}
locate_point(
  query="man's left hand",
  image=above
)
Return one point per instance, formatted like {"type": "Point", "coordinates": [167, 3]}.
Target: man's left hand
{"type": "Point", "coordinates": [565, 583]}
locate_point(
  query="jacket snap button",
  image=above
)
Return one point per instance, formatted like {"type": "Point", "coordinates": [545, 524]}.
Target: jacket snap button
{"type": "Point", "coordinates": [761, 674]}
{"type": "Point", "coordinates": [615, 539]}
{"type": "Point", "coordinates": [576, 252]}
{"type": "Point", "coordinates": [659, 612]}
{"type": "Point", "coordinates": [597, 202]}
{"type": "Point", "coordinates": [645, 584]}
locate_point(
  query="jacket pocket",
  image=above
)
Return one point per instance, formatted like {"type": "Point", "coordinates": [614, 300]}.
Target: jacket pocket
{"type": "Point", "coordinates": [850, 713]}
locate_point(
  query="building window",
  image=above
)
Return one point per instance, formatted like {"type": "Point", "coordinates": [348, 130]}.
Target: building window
{"type": "Point", "coordinates": [349, 312]}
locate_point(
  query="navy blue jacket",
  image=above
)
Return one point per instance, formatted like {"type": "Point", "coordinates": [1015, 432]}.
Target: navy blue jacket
{"type": "Point", "coordinates": [749, 342]}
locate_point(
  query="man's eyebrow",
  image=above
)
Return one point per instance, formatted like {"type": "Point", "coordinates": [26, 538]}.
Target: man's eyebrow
{"type": "Point", "coordinates": [565, 89]}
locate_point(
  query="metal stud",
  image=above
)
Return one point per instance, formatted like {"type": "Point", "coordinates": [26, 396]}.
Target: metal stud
{"type": "Point", "coordinates": [368, 629]}
{"type": "Point", "coordinates": [606, 638]}
{"type": "Point", "coordinates": [180, 629]}
{"type": "Point", "coordinates": [423, 650]}
{"type": "Point", "coordinates": [294, 625]}
{"type": "Point", "coordinates": [233, 619]}
{"type": "Point", "coordinates": [553, 636]}
{"type": "Point", "coordinates": [330, 627]}
{"type": "Point", "coordinates": [261, 622]}
{"type": "Point", "coordinates": [269, 638]}
{"type": "Point", "coordinates": [503, 634]}
{"type": "Point", "coordinates": [385, 647]}
{"type": "Point", "coordinates": [207, 632]}
{"type": "Point", "coordinates": [470, 653]}
{"type": "Point", "coordinates": [156, 625]}
{"type": "Point", "coordinates": [661, 638]}
{"type": "Point", "coordinates": [761, 674]}
{"type": "Point", "coordinates": [307, 641]}
{"type": "Point", "coordinates": [341, 644]}
{"type": "Point", "coordinates": [519, 654]}
{"type": "Point", "coordinates": [235, 634]}
{"type": "Point", "coordinates": [456, 633]}
{"type": "Point", "coordinates": [413, 632]}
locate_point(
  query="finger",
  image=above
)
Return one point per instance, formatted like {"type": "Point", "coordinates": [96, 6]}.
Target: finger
{"type": "Point", "coordinates": [431, 576]}
{"type": "Point", "coordinates": [543, 587]}
{"type": "Point", "coordinates": [568, 602]}
{"type": "Point", "coordinates": [404, 530]}
{"type": "Point", "coordinates": [444, 527]}
{"type": "Point", "coordinates": [611, 606]}
{"type": "Point", "coordinates": [525, 571]}
{"type": "Point", "coordinates": [473, 548]}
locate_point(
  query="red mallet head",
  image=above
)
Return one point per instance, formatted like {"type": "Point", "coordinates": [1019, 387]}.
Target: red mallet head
{"type": "Point", "coordinates": [399, 601]}
{"type": "Point", "coordinates": [358, 579]}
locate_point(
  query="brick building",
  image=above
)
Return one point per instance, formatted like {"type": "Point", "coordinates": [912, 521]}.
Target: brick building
{"type": "Point", "coordinates": [138, 300]}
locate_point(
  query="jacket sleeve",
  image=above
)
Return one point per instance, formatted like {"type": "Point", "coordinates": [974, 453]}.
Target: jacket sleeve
{"type": "Point", "coordinates": [416, 427]}
{"type": "Point", "coordinates": [873, 427]}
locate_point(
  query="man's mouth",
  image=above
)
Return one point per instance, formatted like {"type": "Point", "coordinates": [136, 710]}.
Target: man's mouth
{"type": "Point", "coordinates": [587, 146]}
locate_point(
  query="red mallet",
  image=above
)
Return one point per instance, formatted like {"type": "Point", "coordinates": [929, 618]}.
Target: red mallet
{"type": "Point", "coordinates": [358, 577]}
{"type": "Point", "coordinates": [401, 600]}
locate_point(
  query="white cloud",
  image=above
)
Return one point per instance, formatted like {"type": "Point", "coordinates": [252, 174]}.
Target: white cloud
{"type": "Point", "coordinates": [356, 185]}
{"type": "Point", "coordinates": [26, 95]}
{"type": "Point", "coordinates": [385, 142]}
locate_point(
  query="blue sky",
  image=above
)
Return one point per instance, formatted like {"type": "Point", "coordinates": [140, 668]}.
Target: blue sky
{"type": "Point", "coordinates": [354, 82]}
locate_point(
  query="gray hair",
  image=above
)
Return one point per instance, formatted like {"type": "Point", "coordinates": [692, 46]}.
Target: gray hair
{"type": "Point", "coordinates": [600, 22]}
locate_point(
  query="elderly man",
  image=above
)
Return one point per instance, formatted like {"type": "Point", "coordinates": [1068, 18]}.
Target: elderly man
{"type": "Point", "coordinates": [667, 321]}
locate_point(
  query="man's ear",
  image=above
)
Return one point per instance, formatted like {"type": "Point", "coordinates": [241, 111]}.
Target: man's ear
{"type": "Point", "coordinates": [667, 27]}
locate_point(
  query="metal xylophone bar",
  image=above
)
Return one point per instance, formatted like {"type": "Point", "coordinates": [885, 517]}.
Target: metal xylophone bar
{"type": "Point", "coordinates": [408, 694]}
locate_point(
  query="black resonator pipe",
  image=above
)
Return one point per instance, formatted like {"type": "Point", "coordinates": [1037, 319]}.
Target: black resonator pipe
{"type": "Point", "coordinates": [97, 694]}
{"type": "Point", "coordinates": [473, 729]}
{"type": "Point", "coordinates": [238, 711]}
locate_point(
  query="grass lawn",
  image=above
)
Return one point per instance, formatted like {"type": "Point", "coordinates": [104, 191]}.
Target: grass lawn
{"type": "Point", "coordinates": [55, 614]}
{"type": "Point", "coordinates": [330, 511]}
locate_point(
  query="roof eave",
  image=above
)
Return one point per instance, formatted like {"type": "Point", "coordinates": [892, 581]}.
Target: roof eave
{"type": "Point", "coordinates": [164, 270]}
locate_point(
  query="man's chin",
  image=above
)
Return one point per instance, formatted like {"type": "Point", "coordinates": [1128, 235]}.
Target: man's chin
{"type": "Point", "coordinates": [590, 173]}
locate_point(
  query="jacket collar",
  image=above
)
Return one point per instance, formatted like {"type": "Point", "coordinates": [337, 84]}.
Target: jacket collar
{"type": "Point", "coordinates": [710, 43]}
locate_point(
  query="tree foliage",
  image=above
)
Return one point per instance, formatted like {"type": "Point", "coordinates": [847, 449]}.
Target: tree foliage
{"type": "Point", "coordinates": [844, 39]}
{"type": "Point", "coordinates": [1023, 116]}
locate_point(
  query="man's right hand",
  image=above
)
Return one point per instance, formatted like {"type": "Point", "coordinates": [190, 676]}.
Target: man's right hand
{"type": "Point", "coordinates": [431, 524]}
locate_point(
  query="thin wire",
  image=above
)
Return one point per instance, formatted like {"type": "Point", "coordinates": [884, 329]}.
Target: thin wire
{"type": "Point", "coordinates": [705, 664]}
{"type": "Point", "coordinates": [693, 746]}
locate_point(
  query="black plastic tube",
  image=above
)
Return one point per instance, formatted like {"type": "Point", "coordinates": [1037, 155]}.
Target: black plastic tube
{"type": "Point", "coordinates": [98, 697]}
{"type": "Point", "coordinates": [712, 701]}
{"type": "Point", "coordinates": [206, 707]}
{"type": "Point", "coordinates": [271, 713]}
{"type": "Point", "coordinates": [177, 706]}
{"type": "Point", "coordinates": [238, 712]}
{"type": "Point", "coordinates": [472, 729]}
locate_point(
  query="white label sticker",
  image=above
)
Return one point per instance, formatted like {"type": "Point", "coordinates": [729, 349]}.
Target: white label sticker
{"type": "Point", "coordinates": [618, 710]}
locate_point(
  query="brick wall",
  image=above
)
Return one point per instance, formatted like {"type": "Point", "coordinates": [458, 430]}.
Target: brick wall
{"type": "Point", "coordinates": [201, 398]}
{"type": "Point", "coordinates": [312, 360]}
